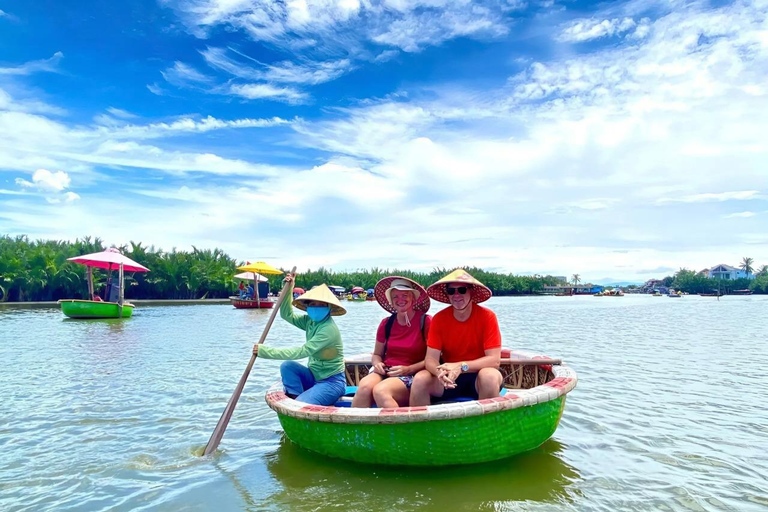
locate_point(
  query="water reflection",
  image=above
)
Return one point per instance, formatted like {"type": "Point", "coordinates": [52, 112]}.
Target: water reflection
{"type": "Point", "coordinates": [307, 479]}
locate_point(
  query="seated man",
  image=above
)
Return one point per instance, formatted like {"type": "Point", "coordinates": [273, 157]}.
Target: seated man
{"type": "Point", "coordinates": [468, 338]}
{"type": "Point", "coordinates": [249, 291]}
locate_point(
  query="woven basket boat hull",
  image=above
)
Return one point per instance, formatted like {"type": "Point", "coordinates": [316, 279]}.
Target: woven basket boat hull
{"type": "Point", "coordinates": [437, 435]}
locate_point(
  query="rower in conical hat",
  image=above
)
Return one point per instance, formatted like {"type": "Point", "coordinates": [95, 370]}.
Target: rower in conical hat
{"type": "Point", "coordinates": [320, 293]}
{"type": "Point", "coordinates": [322, 381]}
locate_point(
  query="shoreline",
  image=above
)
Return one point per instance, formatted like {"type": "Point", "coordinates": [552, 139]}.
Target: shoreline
{"type": "Point", "coordinates": [137, 302]}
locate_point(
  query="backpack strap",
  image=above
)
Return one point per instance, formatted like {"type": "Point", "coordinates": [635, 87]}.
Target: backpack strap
{"type": "Point", "coordinates": [423, 319]}
{"type": "Point", "coordinates": [387, 332]}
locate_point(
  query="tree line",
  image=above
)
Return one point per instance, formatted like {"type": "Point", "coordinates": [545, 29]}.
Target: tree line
{"type": "Point", "coordinates": [38, 270]}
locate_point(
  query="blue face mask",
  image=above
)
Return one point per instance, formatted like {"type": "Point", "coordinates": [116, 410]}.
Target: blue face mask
{"type": "Point", "coordinates": [317, 313]}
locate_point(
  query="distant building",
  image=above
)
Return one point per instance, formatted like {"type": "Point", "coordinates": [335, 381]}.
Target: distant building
{"type": "Point", "coordinates": [724, 271]}
{"type": "Point", "coordinates": [561, 279]}
{"type": "Point", "coordinates": [652, 285]}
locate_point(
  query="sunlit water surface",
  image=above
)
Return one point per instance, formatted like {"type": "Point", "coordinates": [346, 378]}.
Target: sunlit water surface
{"type": "Point", "coordinates": [669, 413]}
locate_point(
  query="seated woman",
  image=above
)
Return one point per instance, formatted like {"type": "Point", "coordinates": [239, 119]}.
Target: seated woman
{"type": "Point", "coordinates": [323, 382]}
{"type": "Point", "coordinates": [401, 343]}
{"type": "Point", "coordinates": [95, 297]}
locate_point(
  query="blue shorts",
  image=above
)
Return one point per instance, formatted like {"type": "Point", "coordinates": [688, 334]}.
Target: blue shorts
{"type": "Point", "coordinates": [407, 380]}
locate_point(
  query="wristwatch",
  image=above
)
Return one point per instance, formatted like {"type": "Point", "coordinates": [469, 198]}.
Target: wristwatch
{"type": "Point", "coordinates": [464, 367]}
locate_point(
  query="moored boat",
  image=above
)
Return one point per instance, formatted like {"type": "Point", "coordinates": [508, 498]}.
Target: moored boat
{"type": "Point", "coordinates": [461, 432]}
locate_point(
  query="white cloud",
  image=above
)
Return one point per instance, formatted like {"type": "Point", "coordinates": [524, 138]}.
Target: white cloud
{"type": "Point", "coordinates": [51, 185]}
{"type": "Point", "coordinates": [183, 75]}
{"type": "Point", "coordinates": [740, 215]}
{"type": "Point", "coordinates": [349, 24]}
{"type": "Point", "coordinates": [307, 72]}
{"type": "Point", "coordinates": [47, 181]}
{"type": "Point", "coordinates": [269, 92]}
{"type": "Point", "coordinates": [183, 125]}
{"type": "Point", "coordinates": [588, 29]}
{"type": "Point", "coordinates": [712, 196]}
{"type": "Point", "coordinates": [155, 89]}
{"type": "Point", "coordinates": [120, 113]}
{"type": "Point", "coordinates": [35, 66]}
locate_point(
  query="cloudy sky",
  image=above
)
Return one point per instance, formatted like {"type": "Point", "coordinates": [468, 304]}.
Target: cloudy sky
{"type": "Point", "coordinates": [617, 140]}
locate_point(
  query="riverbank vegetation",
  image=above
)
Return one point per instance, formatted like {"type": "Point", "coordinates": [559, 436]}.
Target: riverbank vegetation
{"type": "Point", "coordinates": [39, 271]}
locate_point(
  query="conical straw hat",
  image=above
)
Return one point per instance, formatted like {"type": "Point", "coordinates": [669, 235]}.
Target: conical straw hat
{"type": "Point", "coordinates": [320, 293]}
{"type": "Point", "coordinates": [421, 302]}
{"type": "Point", "coordinates": [480, 292]}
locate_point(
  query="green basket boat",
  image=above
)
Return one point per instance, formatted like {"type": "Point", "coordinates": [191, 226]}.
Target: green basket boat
{"type": "Point", "coordinates": [77, 308]}
{"type": "Point", "coordinates": [464, 432]}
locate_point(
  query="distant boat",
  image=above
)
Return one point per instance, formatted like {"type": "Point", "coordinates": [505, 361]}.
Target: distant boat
{"type": "Point", "coordinates": [741, 292]}
{"type": "Point", "coordinates": [113, 305]}
{"type": "Point", "coordinates": [713, 294]}
{"type": "Point", "coordinates": [610, 293]}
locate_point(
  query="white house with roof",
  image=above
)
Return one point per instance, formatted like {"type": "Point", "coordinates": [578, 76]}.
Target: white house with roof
{"type": "Point", "coordinates": [724, 271]}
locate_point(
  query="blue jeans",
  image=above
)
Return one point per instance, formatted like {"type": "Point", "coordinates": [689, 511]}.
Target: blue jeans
{"type": "Point", "coordinates": [298, 380]}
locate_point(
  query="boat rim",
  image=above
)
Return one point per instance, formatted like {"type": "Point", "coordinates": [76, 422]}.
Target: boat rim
{"type": "Point", "coordinates": [125, 304]}
{"type": "Point", "coordinates": [564, 381]}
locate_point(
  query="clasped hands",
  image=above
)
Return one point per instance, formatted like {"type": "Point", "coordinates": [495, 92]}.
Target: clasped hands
{"type": "Point", "coordinates": [447, 374]}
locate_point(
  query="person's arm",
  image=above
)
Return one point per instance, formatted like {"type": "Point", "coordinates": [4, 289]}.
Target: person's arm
{"type": "Point", "coordinates": [377, 359]}
{"type": "Point", "coordinates": [432, 360]}
{"type": "Point", "coordinates": [324, 337]}
{"type": "Point", "coordinates": [270, 352]}
{"type": "Point", "coordinates": [451, 371]}
{"type": "Point", "coordinates": [287, 314]}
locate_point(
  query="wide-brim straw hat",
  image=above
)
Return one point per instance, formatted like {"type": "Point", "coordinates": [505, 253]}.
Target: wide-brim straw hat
{"type": "Point", "coordinates": [320, 293]}
{"type": "Point", "coordinates": [480, 292]}
{"type": "Point", "coordinates": [383, 288]}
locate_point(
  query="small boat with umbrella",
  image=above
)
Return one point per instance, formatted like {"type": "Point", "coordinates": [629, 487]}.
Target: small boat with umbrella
{"type": "Point", "coordinates": [256, 302]}
{"type": "Point", "coordinates": [298, 291]}
{"type": "Point", "coordinates": [357, 294]}
{"type": "Point", "coordinates": [114, 305]}
{"type": "Point", "coordinates": [464, 431]}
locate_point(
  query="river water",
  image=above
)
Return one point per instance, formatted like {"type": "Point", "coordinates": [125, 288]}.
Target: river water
{"type": "Point", "coordinates": [109, 415]}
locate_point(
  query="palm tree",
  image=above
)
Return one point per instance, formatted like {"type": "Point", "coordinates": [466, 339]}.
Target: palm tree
{"type": "Point", "coordinates": [746, 265]}
{"type": "Point", "coordinates": [576, 279]}
{"type": "Point", "coordinates": [763, 271]}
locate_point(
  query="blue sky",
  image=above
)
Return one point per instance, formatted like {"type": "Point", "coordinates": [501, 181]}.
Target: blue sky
{"type": "Point", "coordinates": [617, 140]}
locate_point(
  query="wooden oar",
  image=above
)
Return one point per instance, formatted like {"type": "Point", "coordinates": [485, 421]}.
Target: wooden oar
{"type": "Point", "coordinates": [218, 432]}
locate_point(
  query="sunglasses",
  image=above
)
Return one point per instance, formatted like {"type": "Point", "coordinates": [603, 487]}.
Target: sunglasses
{"type": "Point", "coordinates": [461, 289]}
